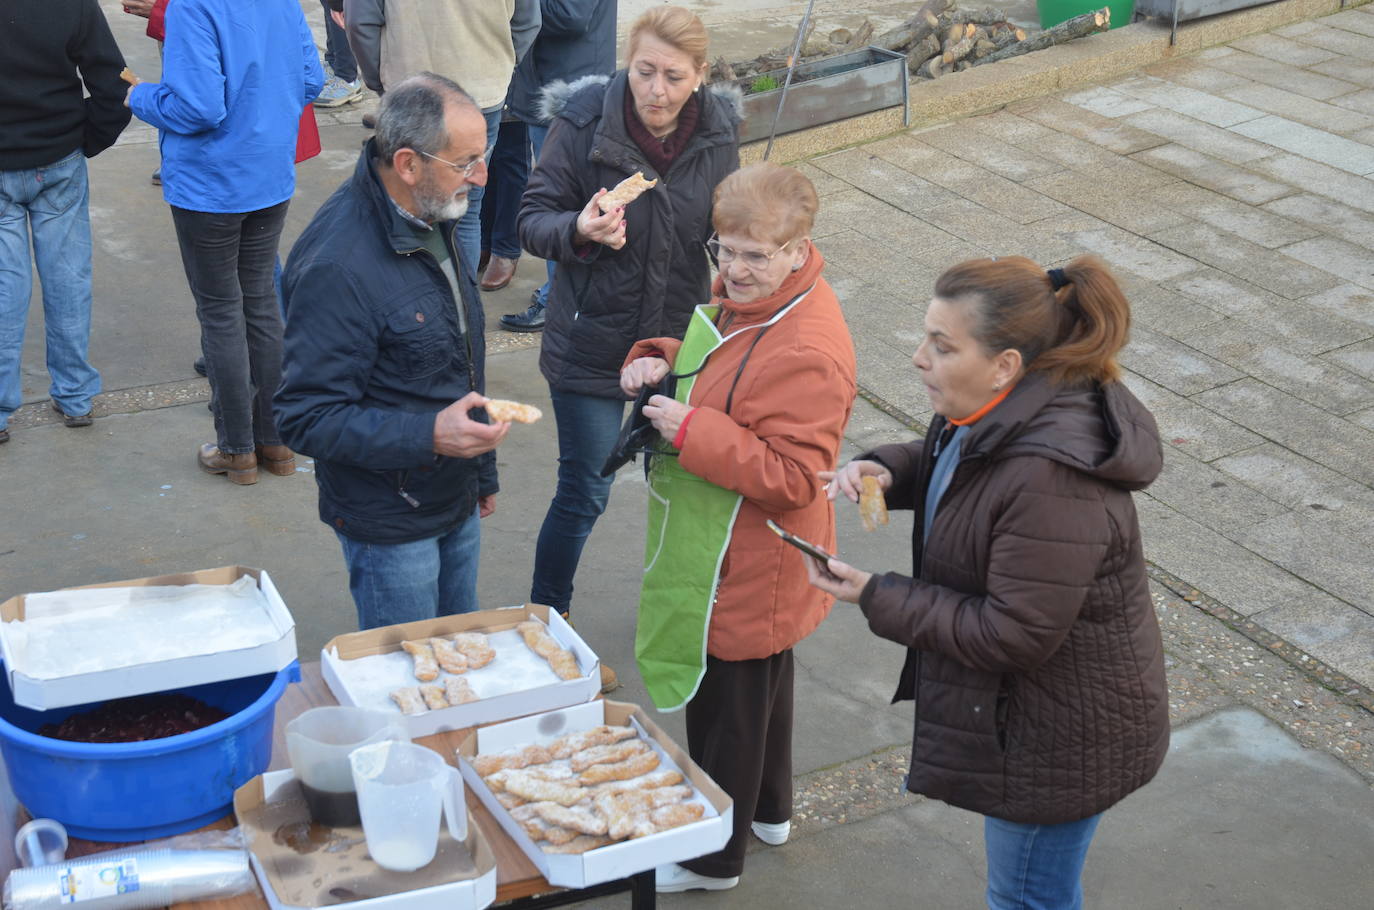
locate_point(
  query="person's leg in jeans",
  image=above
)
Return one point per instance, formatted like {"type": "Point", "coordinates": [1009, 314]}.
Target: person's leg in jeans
{"type": "Point", "coordinates": [16, 285]}
{"type": "Point", "coordinates": [421, 579]}
{"type": "Point", "coordinates": [1036, 867]}
{"type": "Point", "coordinates": [587, 429]}
{"type": "Point", "coordinates": [210, 249]}
{"type": "Point", "coordinates": [337, 54]}
{"type": "Point", "coordinates": [537, 136]}
{"type": "Point", "coordinates": [470, 225]}
{"type": "Point", "coordinates": [458, 555]}
{"type": "Point", "coordinates": [506, 175]}
{"type": "Point", "coordinates": [262, 314]}
{"type": "Point", "coordinates": [61, 225]}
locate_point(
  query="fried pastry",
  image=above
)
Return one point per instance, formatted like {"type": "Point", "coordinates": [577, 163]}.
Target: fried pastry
{"type": "Point", "coordinates": [434, 696]}
{"type": "Point", "coordinates": [566, 746]}
{"type": "Point", "coordinates": [623, 770]}
{"type": "Point", "coordinates": [509, 801]}
{"type": "Point", "coordinates": [664, 777]}
{"type": "Point", "coordinates": [426, 667]}
{"type": "Point", "coordinates": [676, 815]}
{"type": "Point", "coordinates": [625, 192]}
{"type": "Point", "coordinates": [449, 658]}
{"type": "Point", "coordinates": [580, 844]}
{"type": "Point", "coordinates": [584, 821]}
{"type": "Point", "coordinates": [514, 758]}
{"type": "Point", "coordinates": [458, 690]}
{"type": "Point", "coordinates": [872, 503]}
{"type": "Point", "coordinates": [475, 647]}
{"type": "Point", "coordinates": [408, 700]}
{"type": "Point", "coordinates": [537, 636]}
{"type": "Point", "coordinates": [503, 411]}
{"type": "Point", "coordinates": [536, 789]}
{"type": "Point", "coordinates": [606, 754]}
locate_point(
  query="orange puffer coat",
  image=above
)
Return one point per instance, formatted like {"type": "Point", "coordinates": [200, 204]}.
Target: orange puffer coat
{"type": "Point", "coordinates": [785, 425]}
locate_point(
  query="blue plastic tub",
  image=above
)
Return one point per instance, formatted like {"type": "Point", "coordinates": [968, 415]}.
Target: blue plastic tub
{"type": "Point", "coordinates": [136, 791]}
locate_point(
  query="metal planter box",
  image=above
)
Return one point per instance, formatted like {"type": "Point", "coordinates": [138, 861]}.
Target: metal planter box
{"type": "Point", "coordinates": [825, 90]}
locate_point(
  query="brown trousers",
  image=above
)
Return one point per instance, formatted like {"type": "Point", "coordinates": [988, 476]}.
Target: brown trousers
{"type": "Point", "coordinates": [739, 730]}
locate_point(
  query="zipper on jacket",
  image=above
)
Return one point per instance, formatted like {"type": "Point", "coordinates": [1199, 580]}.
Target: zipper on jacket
{"type": "Point", "coordinates": [401, 491]}
{"type": "Point", "coordinates": [467, 340]}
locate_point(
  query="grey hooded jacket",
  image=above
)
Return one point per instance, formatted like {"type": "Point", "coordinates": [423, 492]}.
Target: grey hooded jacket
{"type": "Point", "coordinates": [602, 300]}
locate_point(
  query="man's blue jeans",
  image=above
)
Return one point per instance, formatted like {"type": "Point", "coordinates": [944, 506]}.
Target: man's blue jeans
{"type": "Point", "coordinates": [470, 225]}
{"type": "Point", "coordinates": [403, 582]}
{"type": "Point", "coordinates": [52, 203]}
{"type": "Point", "coordinates": [337, 54]}
{"type": "Point", "coordinates": [1037, 867]}
{"type": "Point", "coordinates": [587, 429]}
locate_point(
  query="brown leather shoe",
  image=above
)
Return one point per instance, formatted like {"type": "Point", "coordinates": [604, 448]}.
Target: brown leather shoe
{"type": "Point", "coordinates": [498, 273]}
{"type": "Point", "coordinates": [241, 469]}
{"type": "Point", "coordinates": [609, 681]}
{"type": "Point", "coordinates": [277, 460]}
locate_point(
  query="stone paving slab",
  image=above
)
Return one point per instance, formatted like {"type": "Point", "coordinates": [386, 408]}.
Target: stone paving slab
{"type": "Point", "coordinates": [1297, 482]}
{"type": "Point", "coordinates": [1174, 365]}
{"type": "Point", "coordinates": [1271, 72]}
{"type": "Point", "coordinates": [1309, 142]}
{"type": "Point", "coordinates": [1319, 212]}
{"type": "Point", "coordinates": [1208, 496]}
{"type": "Point", "coordinates": [1233, 254]}
{"type": "Point", "coordinates": [1222, 212]}
{"type": "Point", "coordinates": [1319, 114]}
{"type": "Point", "coordinates": [1321, 552]}
{"type": "Point", "coordinates": [1358, 358]}
{"type": "Point", "coordinates": [1186, 425]}
{"type": "Point", "coordinates": [1308, 430]}
{"type": "Point", "coordinates": [1332, 631]}
{"type": "Point", "coordinates": [1206, 171]}
{"type": "Point", "coordinates": [1337, 257]}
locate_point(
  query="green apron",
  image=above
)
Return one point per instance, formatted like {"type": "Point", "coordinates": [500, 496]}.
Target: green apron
{"type": "Point", "coordinates": [690, 523]}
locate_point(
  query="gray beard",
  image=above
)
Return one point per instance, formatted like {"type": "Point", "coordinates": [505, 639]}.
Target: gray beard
{"type": "Point", "coordinates": [436, 207]}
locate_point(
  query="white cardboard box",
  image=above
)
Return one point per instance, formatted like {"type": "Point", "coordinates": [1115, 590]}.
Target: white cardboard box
{"type": "Point", "coordinates": [618, 860]}
{"type": "Point", "coordinates": [558, 694]}
{"type": "Point", "coordinates": [156, 676]}
{"type": "Point", "coordinates": [467, 894]}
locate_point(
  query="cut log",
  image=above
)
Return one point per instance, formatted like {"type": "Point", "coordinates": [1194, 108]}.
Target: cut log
{"type": "Point", "coordinates": [1077, 27]}
{"type": "Point", "coordinates": [920, 53]}
{"type": "Point", "coordinates": [987, 16]}
{"type": "Point", "coordinates": [961, 66]}
{"type": "Point", "coordinates": [722, 71]}
{"type": "Point", "coordinates": [982, 48]}
{"type": "Point", "coordinates": [956, 52]}
{"type": "Point", "coordinates": [1003, 39]}
{"type": "Point", "coordinates": [969, 31]}
{"type": "Point", "coordinates": [931, 69]}
{"type": "Point", "coordinates": [952, 35]}
{"type": "Point", "coordinates": [925, 21]}
{"type": "Point", "coordinates": [860, 39]}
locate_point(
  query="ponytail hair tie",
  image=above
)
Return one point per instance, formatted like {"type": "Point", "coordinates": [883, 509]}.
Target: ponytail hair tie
{"type": "Point", "coordinates": [1057, 278]}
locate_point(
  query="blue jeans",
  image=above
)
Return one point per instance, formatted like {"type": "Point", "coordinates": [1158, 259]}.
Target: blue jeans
{"type": "Point", "coordinates": [537, 136]}
{"type": "Point", "coordinates": [337, 54]}
{"type": "Point", "coordinates": [470, 225]}
{"type": "Point", "coordinates": [422, 579]}
{"type": "Point", "coordinates": [587, 429]}
{"type": "Point", "coordinates": [1037, 867]}
{"type": "Point", "coordinates": [50, 201]}
{"type": "Point", "coordinates": [506, 175]}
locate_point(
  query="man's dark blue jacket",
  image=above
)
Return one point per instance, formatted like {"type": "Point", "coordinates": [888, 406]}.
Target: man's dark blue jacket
{"type": "Point", "coordinates": [372, 352]}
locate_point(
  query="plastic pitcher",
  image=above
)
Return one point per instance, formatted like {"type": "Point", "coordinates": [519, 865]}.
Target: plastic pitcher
{"type": "Point", "coordinates": [402, 788]}
{"type": "Point", "coordinates": [318, 742]}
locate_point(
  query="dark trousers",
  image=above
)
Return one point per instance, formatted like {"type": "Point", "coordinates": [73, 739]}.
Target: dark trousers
{"type": "Point", "coordinates": [337, 53]}
{"type": "Point", "coordinates": [739, 730]}
{"type": "Point", "coordinates": [229, 260]}
{"type": "Point", "coordinates": [506, 175]}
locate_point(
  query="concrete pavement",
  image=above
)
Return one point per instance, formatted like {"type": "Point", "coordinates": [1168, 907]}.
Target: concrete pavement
{"type": "Point", "coordinates": [1230, 192]}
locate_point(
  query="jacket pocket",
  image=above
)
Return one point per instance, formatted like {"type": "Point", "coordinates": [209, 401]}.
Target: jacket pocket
{"type": "Point", "coordinates": [418, 342]}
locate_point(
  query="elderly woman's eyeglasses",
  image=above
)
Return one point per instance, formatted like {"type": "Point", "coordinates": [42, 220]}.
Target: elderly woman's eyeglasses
{"type": "Point", "coordinates": [753, 260]}
{"type": "Point", "coordinates": [467, 170]}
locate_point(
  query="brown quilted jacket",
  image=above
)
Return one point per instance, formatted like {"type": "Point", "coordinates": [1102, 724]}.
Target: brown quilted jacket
{"type": "Point", "coordinates": [1034, 659]}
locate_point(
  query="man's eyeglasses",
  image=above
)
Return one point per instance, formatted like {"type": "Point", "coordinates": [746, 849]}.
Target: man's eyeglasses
{"type": "Point", "coordinates": [467, 170]}
{"type": "Point", "coordinates": [753, 260]}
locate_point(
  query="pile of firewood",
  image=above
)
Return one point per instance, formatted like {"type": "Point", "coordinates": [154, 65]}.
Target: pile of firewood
{"type": "Point", "coordinates": [937, 40]}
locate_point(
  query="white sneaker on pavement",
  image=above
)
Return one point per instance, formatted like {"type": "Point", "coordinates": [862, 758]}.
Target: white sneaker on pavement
{"type": "Point", "coordinates": [673, 878]}
{"type": "Point", "coordinates": [337, 92]}
{"type": "Point", "coordinates": [770, 833]}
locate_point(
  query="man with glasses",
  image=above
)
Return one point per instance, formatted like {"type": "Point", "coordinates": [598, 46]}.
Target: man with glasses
{"type": "Point", "coordinates": [383, 361]}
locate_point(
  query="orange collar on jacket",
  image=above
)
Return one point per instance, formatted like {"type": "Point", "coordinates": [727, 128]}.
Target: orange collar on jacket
{"type": "Point", "coordinates": [983, 411]}
{"type": "Point", "coordinates": [792, 285]}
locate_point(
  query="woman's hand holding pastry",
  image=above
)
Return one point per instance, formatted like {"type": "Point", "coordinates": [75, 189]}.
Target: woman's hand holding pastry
{"type": "Point", "coordinates": [593, 226]}
{"type": "Point", "coordinates": [642, 371]}
{"type": "Point", "coordinates": [849, 479]}
{"type": "Point", "coordinates": [666, 414]}
{"type": "Point", "coordinates": [836, 578]}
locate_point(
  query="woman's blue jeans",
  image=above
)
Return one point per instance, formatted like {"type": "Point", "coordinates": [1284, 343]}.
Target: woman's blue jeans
{"type": "Point", "coordinates": [1037, 867]}
{"type": "Point", "coordinates": [587, 429]}
{"type": "Point", "coordinates": [51, 203]}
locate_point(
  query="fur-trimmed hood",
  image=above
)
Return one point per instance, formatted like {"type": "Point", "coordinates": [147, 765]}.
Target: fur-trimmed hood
{"type": "Point", "coordinates": [554, 97]}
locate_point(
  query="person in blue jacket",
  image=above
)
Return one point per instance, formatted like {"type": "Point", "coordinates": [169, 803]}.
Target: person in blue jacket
{"type": "Point", "coordinates": [235, 78]}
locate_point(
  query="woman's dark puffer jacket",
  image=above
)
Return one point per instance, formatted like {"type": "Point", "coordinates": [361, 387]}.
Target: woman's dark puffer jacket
{"type": "Point", "coordinates": [605, 300]}
{"type": "Point", "coordinates": [1035, 658]}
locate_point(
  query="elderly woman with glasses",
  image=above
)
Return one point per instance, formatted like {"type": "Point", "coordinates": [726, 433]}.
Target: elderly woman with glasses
{"type": "Point", "coordinates": [761, 389]}
{"type": "Point", "coordinates": [629, 273]}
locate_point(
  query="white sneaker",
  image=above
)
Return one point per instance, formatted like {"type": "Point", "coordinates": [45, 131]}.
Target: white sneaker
{"type": "Point", "coordinates": [773, 834]}
{"type": "Point", "coordinates": [673, 878]}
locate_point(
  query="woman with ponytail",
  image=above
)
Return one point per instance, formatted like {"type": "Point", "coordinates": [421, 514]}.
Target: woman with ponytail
{"type": "Point", "coordinates": [1034, 658]}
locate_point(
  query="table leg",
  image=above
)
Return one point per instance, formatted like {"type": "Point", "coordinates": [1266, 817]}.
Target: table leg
{"type": "Point", "coordinates": [642, 893]}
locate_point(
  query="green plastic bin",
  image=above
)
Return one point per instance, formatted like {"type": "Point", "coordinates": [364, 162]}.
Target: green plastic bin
{"type": "Point", "coordinates": [1053, 12]}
